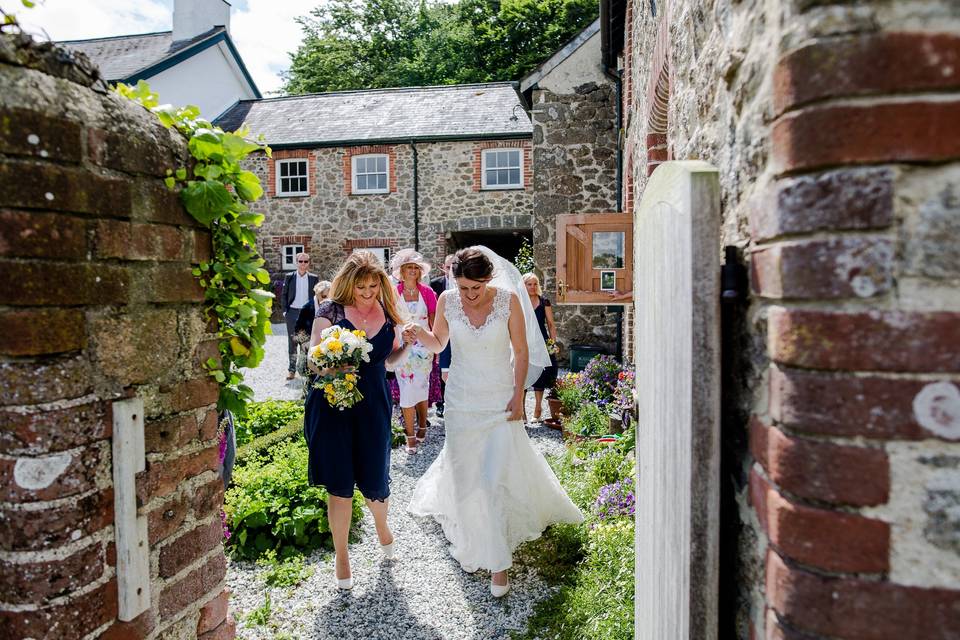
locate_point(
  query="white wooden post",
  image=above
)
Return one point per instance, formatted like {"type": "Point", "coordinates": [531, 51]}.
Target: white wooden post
{"type": "Point", "coordinates": [133, 550]}
{"type": "Point", "coordinates": [677, 294]}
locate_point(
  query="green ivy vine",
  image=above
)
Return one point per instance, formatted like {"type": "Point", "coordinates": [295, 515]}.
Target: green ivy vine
{"type": "Point", "coordinates": [216, 191]}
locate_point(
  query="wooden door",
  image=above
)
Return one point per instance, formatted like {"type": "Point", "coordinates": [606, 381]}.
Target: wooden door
{"type": "Point", "coordinates": [595, 258]}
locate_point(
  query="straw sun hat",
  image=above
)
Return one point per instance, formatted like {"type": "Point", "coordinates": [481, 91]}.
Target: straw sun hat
{"type": "Point", "coordinates": [408, 256]}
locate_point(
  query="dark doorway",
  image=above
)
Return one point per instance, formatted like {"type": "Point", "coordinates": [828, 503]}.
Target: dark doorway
{"type": "Point", "coordinates": [505, 243]}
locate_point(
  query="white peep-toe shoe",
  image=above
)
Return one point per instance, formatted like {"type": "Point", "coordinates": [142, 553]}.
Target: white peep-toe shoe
{"type": "Point", "coordinates": [345, 583]}
{"type": "Point", "coordinates": [499, 590]}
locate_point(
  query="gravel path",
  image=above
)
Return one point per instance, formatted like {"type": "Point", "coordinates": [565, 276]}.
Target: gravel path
{"type": "Point", "coordinates": [269, 380]}
{"type": "Point", "coordinates": [421, 594]}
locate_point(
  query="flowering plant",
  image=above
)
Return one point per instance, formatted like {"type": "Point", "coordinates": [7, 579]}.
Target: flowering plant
{"type": "Point", "coordinates": [570, 391]}
{"type": "Point", "coordinates": [340, 349]}
{"type": "Point", "coordinates": [552, 347]}
{"type": "Point", "coordinates": [600, 378]}
{"type": "Point", "coordinates": [624, 395]}
{"type": "Point", "coordinates": [615, 500]}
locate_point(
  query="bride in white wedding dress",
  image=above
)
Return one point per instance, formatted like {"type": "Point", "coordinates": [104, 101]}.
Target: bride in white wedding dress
{"type": "Point", "coordinates": [489, 488]}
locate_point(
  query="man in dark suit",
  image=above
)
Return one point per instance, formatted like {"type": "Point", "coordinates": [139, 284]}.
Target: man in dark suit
{"type": "Point", "coordinates": [297, 291]}
{"type": "Point", "coordinates": [439, 285]}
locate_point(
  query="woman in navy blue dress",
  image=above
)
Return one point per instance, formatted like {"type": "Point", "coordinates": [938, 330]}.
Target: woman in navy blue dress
{"type": "Point", "coordinates": [351, 447]}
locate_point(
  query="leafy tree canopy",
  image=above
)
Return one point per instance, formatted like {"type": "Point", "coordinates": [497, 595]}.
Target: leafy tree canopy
{"type": "Point", "coordinates": [368, 44]}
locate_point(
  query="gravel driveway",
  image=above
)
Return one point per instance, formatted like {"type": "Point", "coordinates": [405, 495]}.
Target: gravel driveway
{"type": "Point", "coordinates": [421, 594]}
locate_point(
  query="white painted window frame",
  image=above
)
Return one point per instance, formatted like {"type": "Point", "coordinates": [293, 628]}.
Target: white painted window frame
{"type": "Point", "coordinates": [354, 174]}
{"type": "Point", "coordinates": [483, 169]}
{"type": "Point", "coordinates": [289, 161]}
{"type": "Point", "coordinates": [291, 263]}
{"type": "Point", "coordinates": [383, 253]}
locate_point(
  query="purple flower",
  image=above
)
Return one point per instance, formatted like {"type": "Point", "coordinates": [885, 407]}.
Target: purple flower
{"type": "Point", "coordinates": [615, 500]}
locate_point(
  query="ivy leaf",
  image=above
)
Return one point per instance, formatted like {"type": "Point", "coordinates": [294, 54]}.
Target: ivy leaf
{"type": "Point", "coordinates": [248, 186]}
{"type": "Point", "coordinates": [238, 348]}
{"type": "Point", "coordinates": [262, 276]}
{"type": "Point", "coordinates": [236, 147]}
{"type": "Point", "coordinates": [170, 182]}
{"type": "Point", "coordinates": [206, 201]}
{"type": "Point", "coordinates": [181, 174]}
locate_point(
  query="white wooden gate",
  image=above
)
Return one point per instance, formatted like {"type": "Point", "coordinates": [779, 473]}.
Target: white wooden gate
{"type": "Point", "coordinates": [676, 292]}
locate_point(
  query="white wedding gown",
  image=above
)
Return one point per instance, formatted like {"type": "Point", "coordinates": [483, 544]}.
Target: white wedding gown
{"type": "Point", "coordinates": [489, 488]}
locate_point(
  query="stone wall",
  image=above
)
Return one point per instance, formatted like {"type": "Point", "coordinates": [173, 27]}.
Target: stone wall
{"type": "Point", "coordinates": [834, 127]}
{"type": "Point", "coordinates": [333, 222]}
{"type": "Point", "coordinates": [97, 305]}
{"type": "Point", "coordinates": [574, 167]}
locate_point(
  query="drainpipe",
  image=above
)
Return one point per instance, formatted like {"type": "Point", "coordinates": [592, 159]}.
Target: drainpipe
{"type": "Point", "coordinates": [617, 77]}
{"type": "Point", "coordinates": [416, 197]}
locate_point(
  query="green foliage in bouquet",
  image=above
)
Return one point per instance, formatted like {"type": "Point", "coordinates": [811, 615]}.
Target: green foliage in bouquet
{"type": "Point", "coordinates": [217, 191]}
{"type": "Point", "coordinates": [266, 417]}
{"type": "Point", "coordinates": [272, 506]}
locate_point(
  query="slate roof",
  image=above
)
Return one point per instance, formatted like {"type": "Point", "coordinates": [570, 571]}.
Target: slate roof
{"type": "Point", "coordinates": [122, 57]}
{"type": "Point", "coordinates": [454, 112]}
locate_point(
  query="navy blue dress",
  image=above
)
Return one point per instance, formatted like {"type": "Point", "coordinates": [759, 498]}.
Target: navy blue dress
{"type": "Point", "coordinates": [549, 375]}
{"type": "Point", "coordinates": [352, 447]}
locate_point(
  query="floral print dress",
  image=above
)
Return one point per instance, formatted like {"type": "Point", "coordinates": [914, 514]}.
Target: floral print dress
{"type": "Point", "coordinates": [413, 374]}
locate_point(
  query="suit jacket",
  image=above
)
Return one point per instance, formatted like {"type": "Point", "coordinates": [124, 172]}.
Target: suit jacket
{"type": "Point", "coordinates": [305, 319]}
{"type": "Point", "coordinates": [439, 285]}
{"type": "Point", "coordinates": [289, 293]}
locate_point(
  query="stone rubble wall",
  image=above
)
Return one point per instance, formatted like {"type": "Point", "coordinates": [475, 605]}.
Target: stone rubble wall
{"type": "Point", "coordinates": [836, 130]}
{"type": "Point", "coordinates": [98, 304]}
{"type": "Point", "coordinates": [574, 166]}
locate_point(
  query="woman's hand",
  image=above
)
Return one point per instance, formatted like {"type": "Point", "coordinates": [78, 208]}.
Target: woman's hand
{"type": "Point", "coordinates": [411, 332]}
{"type": "Point", "coordinates": [332, 371]}
{"type": "Point", "coordinates": [515, 407]}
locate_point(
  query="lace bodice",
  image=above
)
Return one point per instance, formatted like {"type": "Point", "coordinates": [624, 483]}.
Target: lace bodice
{"type": "Point", "coordinates": [481, 364]}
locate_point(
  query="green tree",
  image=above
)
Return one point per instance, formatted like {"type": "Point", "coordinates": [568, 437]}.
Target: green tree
{"type": "Point", "coordinates": [350, 44]}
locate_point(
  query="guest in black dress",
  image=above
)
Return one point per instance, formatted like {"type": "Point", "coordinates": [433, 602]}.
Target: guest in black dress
{"type": "Point", "coordinates": [351, 447]}
{"type": "Point", "coordinates": [544, 313]}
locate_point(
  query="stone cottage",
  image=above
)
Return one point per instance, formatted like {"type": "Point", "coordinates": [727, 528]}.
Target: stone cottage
{"type": "Point", "coordinates": [437, 168]}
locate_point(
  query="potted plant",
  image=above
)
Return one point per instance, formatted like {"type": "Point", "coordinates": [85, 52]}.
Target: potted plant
{"type": "Point", "coordinates": [570, 394]}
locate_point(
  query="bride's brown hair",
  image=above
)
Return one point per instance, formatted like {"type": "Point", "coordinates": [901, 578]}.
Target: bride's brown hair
{"type": "Point", "coordinates": [473, 264]}
{"type": "Point", "coordinates": [359, 267]}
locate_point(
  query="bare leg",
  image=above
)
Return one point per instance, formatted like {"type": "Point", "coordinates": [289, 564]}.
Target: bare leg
{"type": "Point", "coordinates": [537, 411]}
{"type": "Point", "coordinates": [379, 512]}
{"type": "Point", "coordinates": [422, 417]}
{"type": "Point", "coordinates": [409, 427]}
{"type": "Point", "coordinates": [339, 512]}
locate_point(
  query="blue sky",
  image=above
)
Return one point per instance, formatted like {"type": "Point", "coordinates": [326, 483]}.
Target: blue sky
{"type": "Point", "coordinates": [263, 30]}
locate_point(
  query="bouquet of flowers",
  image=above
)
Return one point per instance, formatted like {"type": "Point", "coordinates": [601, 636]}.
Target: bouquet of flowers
{"type": "Point", "coordinates": [552, 347]}
{"type": "Point", "coordinates": [340, 348]}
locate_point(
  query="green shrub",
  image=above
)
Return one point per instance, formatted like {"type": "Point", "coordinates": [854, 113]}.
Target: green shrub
{"type": "Point", "coordinates": [266, 417]}
{"type": "Point", "coordinates": [589, 421]}
{"type": "Point", "coordinates": [571, 392]}
{"type": "Point", "coordinates": [292, 431]}
{"type": "Point", "coordinates": [272, 506]}
{"type": "Point", "coordinates": [287, 572]}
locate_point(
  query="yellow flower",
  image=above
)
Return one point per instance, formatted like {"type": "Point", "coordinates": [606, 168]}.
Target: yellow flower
{"type": "Point", "coordinates": [335, 345]}
{"type": "Point", "coordinates": [350, 377]}
{"type": "Point", "coordinates": [328, 388]}
{"type": "Point", "coordinates": [360, 333]}
{"type": "Point", "coordinates": [349, 386]}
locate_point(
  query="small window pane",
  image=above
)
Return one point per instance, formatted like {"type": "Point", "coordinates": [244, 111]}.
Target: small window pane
{"type": "Point", "coordinates": [608, 249]}
{"type": "Point", "coordinates": [503, 176]}
{"type": "Point", "coordinates": [514, 176]}
{"type": "Point", "coordinates": [284, 168]}
{"type": "Point", "coordinates": [492, 160]}
{"type": "Point", "coordinates": [381, 164]}
{"type": "Point", "coordinates": [492, 178]}
{"type": "Point", "coordinates": [381, 181]}
{"type": "Point", "coordinates": [302, 184]}
{"type": "Point", "coordinates": [361, 181]}
{"type": "Point", "coordinates": [513, 158]}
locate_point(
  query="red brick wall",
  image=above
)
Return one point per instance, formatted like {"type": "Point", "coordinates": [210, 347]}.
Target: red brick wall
{"type": "Point", "coordinates": [97, 304]}
{"type": "Point", "coordinates": [851, 358]}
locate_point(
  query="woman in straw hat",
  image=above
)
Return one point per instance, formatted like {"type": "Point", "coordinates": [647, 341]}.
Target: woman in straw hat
{"type": "Point", "coordinates": [414, 372]}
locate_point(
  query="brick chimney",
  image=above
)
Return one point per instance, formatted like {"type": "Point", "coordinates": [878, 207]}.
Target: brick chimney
{"type": "Point", "coordinates": [193, 17]}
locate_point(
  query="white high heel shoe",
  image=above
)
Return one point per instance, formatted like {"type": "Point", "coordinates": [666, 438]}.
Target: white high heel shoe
{"type": "Point", "coordinates": [389, 549]}
{"type": "Point", "coordinates": [345, 583]}
{"type": "Point", "coordinates": [499, 590]}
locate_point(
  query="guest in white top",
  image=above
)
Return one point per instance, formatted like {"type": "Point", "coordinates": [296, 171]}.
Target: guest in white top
{"type": "Point", "coordinates": [297, 287]}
